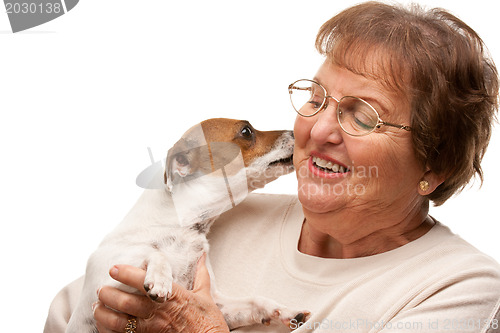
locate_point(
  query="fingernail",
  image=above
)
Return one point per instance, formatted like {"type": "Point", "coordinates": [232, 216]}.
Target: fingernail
{"type": "Point", "coordinates": [98, 291]}
{"type": "Point", "coordinates": [113, 272]}
{"type": "Point", "coordinates": [94, 305]}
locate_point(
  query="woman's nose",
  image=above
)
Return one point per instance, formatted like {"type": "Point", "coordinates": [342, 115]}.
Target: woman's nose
{"type": "Point", "coordinates": [326, 129]}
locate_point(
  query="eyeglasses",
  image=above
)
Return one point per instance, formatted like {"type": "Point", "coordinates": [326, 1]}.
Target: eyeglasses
{"type": "Point", "coordinates": [356, 116]}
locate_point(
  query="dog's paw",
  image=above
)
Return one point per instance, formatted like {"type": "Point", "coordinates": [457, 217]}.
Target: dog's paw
{"type": "Point", "coordinates": [269, 310]}
{"type": "Point", "coordinates": [291, 319]}
{"type": "Point", "coordinates": [158, 286]}
{"type": "Point", "coordinates": [158, 292]}
{"type": "Point", "coordinates": [158, 281]}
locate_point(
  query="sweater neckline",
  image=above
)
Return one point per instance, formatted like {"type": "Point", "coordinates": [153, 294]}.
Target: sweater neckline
{"type": "Point", "coordinates": [327, 271]}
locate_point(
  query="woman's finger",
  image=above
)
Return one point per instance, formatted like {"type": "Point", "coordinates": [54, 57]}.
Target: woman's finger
{"type": "Point", "coordinates": [202, 278]}
{"type": "Point", "coordinates": [129, 275]}
{"type": "Point", "coordinates": [102, 329]}
{"type": "Point", "coordinates": [134, 277]}
{"type": "Point", "coordinates": [132, 304]}
{"type": "Point", "coordinates": [109, 321]}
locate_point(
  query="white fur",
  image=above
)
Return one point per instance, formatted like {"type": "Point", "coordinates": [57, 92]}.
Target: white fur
{"type": "Point", "coordinates": [151, 237]}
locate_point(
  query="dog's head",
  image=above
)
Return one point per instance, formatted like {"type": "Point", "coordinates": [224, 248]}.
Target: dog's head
{"type": "Point", "coordinates": [216, 144]}
{"type": "Point", "coordinates": [218, 162]}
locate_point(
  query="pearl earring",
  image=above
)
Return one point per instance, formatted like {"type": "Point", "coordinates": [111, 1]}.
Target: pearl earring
{"type": "Point", "coordinates": [424, 185]}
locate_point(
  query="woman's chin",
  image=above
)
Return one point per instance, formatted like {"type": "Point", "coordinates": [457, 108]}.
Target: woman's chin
{"type": "Point", "coordinates": [319, 199]}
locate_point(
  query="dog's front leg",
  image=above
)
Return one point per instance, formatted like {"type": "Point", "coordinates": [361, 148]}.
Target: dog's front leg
{"type": "Point", "coordinates": [158, 281]}
{"type": "Point", "coordinates": [239, 312]}
{"type": "Point", "coordinates": [247, 311]}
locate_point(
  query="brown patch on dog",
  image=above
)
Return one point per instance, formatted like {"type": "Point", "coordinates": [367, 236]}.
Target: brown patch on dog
{"type": "Point", "coordinates": [253, 143]}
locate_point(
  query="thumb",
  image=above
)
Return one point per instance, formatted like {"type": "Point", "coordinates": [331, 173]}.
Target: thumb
{"type": "Point", "coordinates": [202, 278]}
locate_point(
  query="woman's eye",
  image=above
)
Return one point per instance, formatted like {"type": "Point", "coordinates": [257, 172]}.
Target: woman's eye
{"type": "Point", "coordinates": [246, 132]}
{"type": "Point", "coordinates": [315, 104]}
{"type": "Point", "coordinates": [316, 101]}
{"type": "Point", "coordinates": [359, 122]}
{"type": "Point", "coordinates": [363, 120]}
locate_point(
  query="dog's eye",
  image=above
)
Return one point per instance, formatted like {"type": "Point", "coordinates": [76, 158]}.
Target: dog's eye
{"type": "Point", "coordinates": [246, 132]}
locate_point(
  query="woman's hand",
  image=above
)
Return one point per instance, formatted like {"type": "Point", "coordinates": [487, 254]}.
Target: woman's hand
{"type": "Point", "coordinates": [184, 311]}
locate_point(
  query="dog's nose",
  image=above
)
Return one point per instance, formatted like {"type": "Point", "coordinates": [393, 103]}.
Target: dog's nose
{"type": "Point", "coordinates": [181, 159]}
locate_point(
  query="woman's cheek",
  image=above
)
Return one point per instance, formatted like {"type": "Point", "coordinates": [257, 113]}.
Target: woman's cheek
{"type": "Point", "coordinates": [301, 131]}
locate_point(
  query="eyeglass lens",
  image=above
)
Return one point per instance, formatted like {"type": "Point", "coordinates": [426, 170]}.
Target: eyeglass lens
{"type": "Point", "coordinates": [355, 116]}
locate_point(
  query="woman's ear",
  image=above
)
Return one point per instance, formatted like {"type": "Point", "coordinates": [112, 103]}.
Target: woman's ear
{"type": "Point", "coordinates": [429, 182]}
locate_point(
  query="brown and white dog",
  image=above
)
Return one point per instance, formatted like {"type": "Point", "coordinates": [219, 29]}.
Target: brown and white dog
{"type": "Point", "coordinates": [208, 171]}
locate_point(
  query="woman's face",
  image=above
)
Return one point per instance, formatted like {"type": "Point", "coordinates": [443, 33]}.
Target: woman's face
{"type": "Point", "coordinates": [377, 175]}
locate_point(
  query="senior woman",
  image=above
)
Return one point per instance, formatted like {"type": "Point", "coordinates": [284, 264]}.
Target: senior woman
{"type": "Point", "coordinates": [399, 114]}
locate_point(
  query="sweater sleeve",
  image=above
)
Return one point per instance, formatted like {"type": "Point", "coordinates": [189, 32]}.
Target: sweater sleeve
{"type": "Point", "coordinates": [468, 302]}
{"type": "Point", "coordinates": [62, 306]}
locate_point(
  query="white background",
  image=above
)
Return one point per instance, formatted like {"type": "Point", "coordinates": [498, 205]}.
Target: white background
{"type": "Point", "coordinates": [83, 96]}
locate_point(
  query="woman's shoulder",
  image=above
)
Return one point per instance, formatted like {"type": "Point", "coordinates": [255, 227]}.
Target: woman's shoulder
{"type": "Point", "coordinates": [443, 253]}
{"type": "Point", "coordinates": [448, 244]}
{"type": "Point", "coordinates": [451, 276]}
{"type": "Point", "coordinates": [452, 261]}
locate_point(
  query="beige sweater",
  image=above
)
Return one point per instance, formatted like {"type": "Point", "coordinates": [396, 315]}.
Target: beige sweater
{"type": "Point", "coordinates": [437, 283]}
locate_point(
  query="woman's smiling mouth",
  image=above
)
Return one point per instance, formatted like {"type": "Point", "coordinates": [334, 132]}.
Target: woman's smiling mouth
{"type": "Point", "coordinates": [327, 168]}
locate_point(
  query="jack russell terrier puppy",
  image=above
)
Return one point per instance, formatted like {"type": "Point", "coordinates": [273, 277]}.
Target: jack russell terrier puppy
{"type": "Point", "coordinates": [208, 171]}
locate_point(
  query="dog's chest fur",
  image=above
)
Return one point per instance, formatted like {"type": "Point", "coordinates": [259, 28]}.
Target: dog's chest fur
{"type": "Point", "coordinates": [182, 245]}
